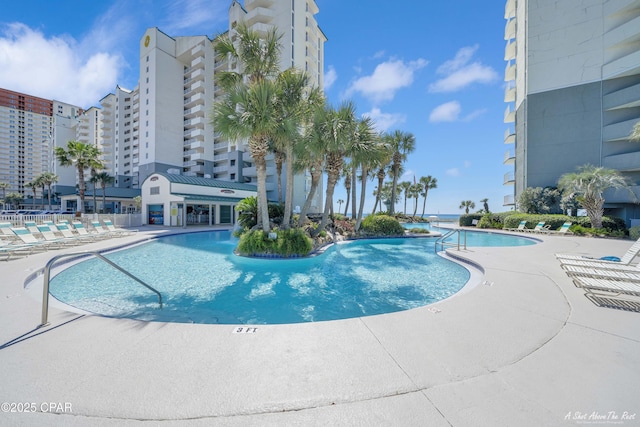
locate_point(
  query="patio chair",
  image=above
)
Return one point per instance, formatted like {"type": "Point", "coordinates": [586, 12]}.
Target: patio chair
{"type": "Point", "coordinates": [112, 228]}
{"type": "Point", "coordinates": [563, 231]}
{"type": "Point", "coordinates": [521, 227]}
{"type": "Point", "coordinates": [82, 231]}
{"type": "Point", "coordinates": [7, 234]}
{"type": "Point", "coordinates": [539, 228]}
{"type": "Point", "coordinates": [32, 227]}
{"type": "Point", "coordinates": [100, 230]}
{"type": "Point", "coordinates": [49, 236]}
{"type": "Point", "coordinates": [67, 233]}
{"type": "Point", "coordinates": [626, 259]}
{"type": "Point", "coordinates": [30, 240]}
{"type": "Point", "coordinates": [9, 249]}
{"type": "Point", "coordinates": [601, 265]}
{"type": "Point", "coordinates": [597, 273]}
{"type": "Point", "coordinates": [608, 285]}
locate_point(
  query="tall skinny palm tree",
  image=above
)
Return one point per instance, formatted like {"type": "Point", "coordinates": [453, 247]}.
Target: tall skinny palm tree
{"type": "Point", "coordinates": [402, 143]}
{"type": "Point", "coordinates": [415, 191]}
{"type": "Point", "coordinates": [47, 179]}
{"type": "Point", "coordinates": [428, 183]}
{"type": "Point", "coordinates": [4, 186]}
{"type": "Point", "coordinates": [366, 152]}
{"type": "Point", "coordinates": [404, 187]}
{"type": "Point", "coordinates": [104, 179]}
{"type": "Point", "coordinates": [485, 204]}
{"type": "Point", "coordinates": [82, 156]}
{"type": "Point", "coordinates": [33, 185]}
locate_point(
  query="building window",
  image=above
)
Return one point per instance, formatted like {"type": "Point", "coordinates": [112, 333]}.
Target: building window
{"type": "Point", "coordinates": [147, 58]}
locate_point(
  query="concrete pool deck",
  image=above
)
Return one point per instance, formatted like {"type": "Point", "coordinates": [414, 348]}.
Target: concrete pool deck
{"type": "Point", "coordinates": [522, 348]}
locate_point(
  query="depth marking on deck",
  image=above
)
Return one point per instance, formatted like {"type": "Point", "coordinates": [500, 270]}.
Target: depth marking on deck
{"type": "Point", "coordinates": [244, 330]}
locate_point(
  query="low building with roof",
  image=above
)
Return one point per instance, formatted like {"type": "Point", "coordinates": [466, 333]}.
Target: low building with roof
{"type": "Point", "coordinates": [178, 200]}
{"type": "Point", "coordinates": [113, 200]}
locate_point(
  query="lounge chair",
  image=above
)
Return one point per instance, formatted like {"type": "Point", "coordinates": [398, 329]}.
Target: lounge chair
{"type": "Point", "coordinates": [32, 227]}
{"type": "Point", "coordinates": [7, 234]}
{"type": "Point", "coordinates": [31, 241]}
{"type": "Point", "coordinates": [67, 233]}
{"type": "Point", "coordinates": [601, 265]}
{"type": "Point", "coordinates": [8, 250]}
{"type": "Point", "coordinates": [563, 231]}
{"type": "Point", "coordinates": [608, 285]}
{"type": "Point", "coordinates": [597, 273]}
{"type": "Point", "coordinates": [539, 228]}
{"type": "Point", "coordinates": [626, 259]}
{"type": "Point", "coordinates": [112, 228]}
{"type": "Point", "coordinates": [521, 227]}
{"type": "Point", "coordinates": [101, 231]}
{"type": "Point", "coordinates": [82, 231]}
{"type": "Point", "coordinates": [49, 236]}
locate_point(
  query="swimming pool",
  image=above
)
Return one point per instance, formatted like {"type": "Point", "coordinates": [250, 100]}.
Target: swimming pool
{"type": "Point", "coordinates": [479, 238]}
{"type": "Point", "coordinates": [202, 281]}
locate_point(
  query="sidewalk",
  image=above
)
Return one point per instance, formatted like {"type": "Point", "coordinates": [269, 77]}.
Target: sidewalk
{"type": "Point", "coordinates": [522, 348]}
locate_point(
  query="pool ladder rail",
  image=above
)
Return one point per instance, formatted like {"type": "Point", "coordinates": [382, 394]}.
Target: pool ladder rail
{"type": "Point", "coordinates": [450, 233]}
{"type": "Point", "coordinates": [47, 279]}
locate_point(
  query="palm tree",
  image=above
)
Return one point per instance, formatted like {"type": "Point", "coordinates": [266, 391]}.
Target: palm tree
{"type": "Point", "coordinates": [588, 184]}
{"type": "Point", "coordinates": [14, 199]}
{"type": "Point", "coordinates": [382, 167]}
{"type": "Point", "coordinates": [346, 172]}
{"type": "Point", "coordinates": [33, 185]}
{"type": "Point", "coordinates": [104, 179]}
{"type": "Point", "coordinates": [466, 205]}
{"type": "Point", "coordinates": [81, 155]}
{"type": "Point", "coordinates": [402, 144]}
{"type": "Point", "coordinates": [404, 187]}
{"type": "Point", "coordinates": [46, 180]}
{"type": "Point", "coordinates": [415, 191]}
{"type": "Point", "coordinates": [428, 183]}
{"type": "Point", "coordinates": [337, 128]}
{"type": "Point", "coordinates": [366, 152]}
{"type": "Point", "coordinates": [485, 204]}
{"type": "Point", "coordinates": [340, 202]}
{"type": "Point", "coordinates": [4, 186]}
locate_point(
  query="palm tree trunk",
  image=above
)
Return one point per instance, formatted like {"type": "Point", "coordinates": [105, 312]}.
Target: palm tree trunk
{"type": "Point", "coordinates": [81, 188]}
{"type": "Point", "coordinates": [279, 159]}
{"type": "Point", "coordinates": [363, 192]}
{"type": "Point", "coordinates": [288, 200]}
{"type": "Point", "coordinates": [354, 179]}
{"type": "Point", "coordinates": [104, 197]}
{"type": "Point", "coordinates": [394, 188]}
{"type": "Point", "coordinates": [415, 206]}
{"type": "Point", "coordinates": [346, 205]}
{"type": "Point", "coordinates": [316, 175]}
{"type": "Point", "coordinates": [334, 163]}
{"type": "Point", "coordinates": [263, 203]}
{"type": "Point", "coordinates": [49, 195]}
{"type": "Point", "coordinates": [424, 202]}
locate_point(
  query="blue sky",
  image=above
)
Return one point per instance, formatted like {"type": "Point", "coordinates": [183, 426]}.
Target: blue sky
{"type": "Point", "coordinates": [431, 68]}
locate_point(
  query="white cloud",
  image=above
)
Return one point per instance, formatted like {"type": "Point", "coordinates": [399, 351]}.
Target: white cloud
{"type": "Point", "coordinates": [459, 73]}
{"type": "Point", "coordinates": [453, 172]}
{"type": "Point", "coordinates": [330, 77]}
{"type": "Point", "coordinates": [474, 114]}
{"type": "Point", "coordinates": [387, 78]}
{"type": "Point", "coordinates": [385, 121]}
{"type": "Point", "coordinates": [194, 15]}
{"type": "Point", "coordinates": [54, 68]}
{"type": "Point", "coordinates": [448, 112]}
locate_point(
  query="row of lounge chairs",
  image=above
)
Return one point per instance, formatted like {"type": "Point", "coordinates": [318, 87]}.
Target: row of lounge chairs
{"type": "Point", "coordinates": [22, 241]}
{"type": "Point", "coordinates": [541, 228]}
{"type": "Point", "coordinates": [607, 282]}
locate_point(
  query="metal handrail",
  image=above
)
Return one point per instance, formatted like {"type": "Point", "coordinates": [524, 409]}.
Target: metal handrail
{"type": "Point", "coordinates": [47, 278]}
{"type": "Point", "coordinates": [441, 240]}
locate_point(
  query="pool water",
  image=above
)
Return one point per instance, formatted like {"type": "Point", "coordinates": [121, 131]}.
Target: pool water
{"type": "Point", "coordinates": [478, 238]}
{"type": "Point", "coordinates": [202, 281]}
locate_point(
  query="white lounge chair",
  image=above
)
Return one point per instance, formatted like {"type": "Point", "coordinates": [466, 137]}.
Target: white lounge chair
{"type": "Point", "coordinates": [101, 231]}
{"type": "Point", "coordinates": [49, 236]}
{"type": "Point", "coordinates": [563, 231]}
{"type": "Point", "coordinates": [539, 228]}
{"type": "Point", "coordinates": [112, 228]}
{"type": "Point", "coordinates": [66, 232]}
{"type": "Point", "coordinates": [596, 273]}
{"type": "Point", "coordinates": [5, 230]}
{"type": "Point", "coordinates": [601, 265]}
{"type": "Point", "coordinates": [608, 285]}
{"type": "Point", "coordinates": [82, 231]}
{"type": "Point", "coordinates": [521, 227]}
{"type": "Point", "coordinates": [626, 259]}
{"type": "Point", "coordinates": [31, 241]}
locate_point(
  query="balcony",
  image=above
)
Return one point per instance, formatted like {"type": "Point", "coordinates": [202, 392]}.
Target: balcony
{"type": "Point", "coordinates": [627, 65]}
{"type": "Point", "coordinates": [510, 9]}
{"type": "Point", "coordinates": [510, 93]}
{"type": "Point", "coordinates": [509, 158]}
{"type": "Point", "coordinates": [197, 50]}
{"type": "Point", "coordinates": [251, 4]}
{"type": "Point", "coordinates": [509, 179]}
{"type": "Point", "coordinates": [192, 112]}
{"type": "Point", "coordinates": [197, 99]}
{"type": "Point", "coordinates": [509, 115]}
{"type": "Point", "coordinates": [509, 136]}
{"type": "Point", "coordinates": [628, 162]}
{"type": "Point", "coordinates": [259, 14]}
{"type": "Point", "coordinates": [628, 97]}
{"type": "Point", "coordinates": [510, 50]}
{"type": "Point", "coordinates": [510, 30]}
{"type": "Point", "coordinates": [509, 200]}
{"type": "Point", "coordinates": [510, 72]}
{"type": "Point", "coordinates": [262, 29]}
{"type": "Point", "coordinates": [618, 131]}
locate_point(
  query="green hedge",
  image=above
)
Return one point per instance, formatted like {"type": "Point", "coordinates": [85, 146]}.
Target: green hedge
{"type": "Point", "coordinates": [291, 242]}
{"type": "Point", "coordinates": [555, 221]}
{"type": "Point", "coordinates": [634, 232]}
{"type": "Point", "coordinates": [493, 220]}
{"type": "Point", "coordinates": [382, 225]}
{"type": "Point", "coordinates": [466, 220]}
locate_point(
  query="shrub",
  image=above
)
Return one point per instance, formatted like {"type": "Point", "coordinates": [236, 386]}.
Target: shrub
{"type": "Point", "coordinates": [610, 226]}
{"type": "Point", "coordinates": [634, 232]}
{"type": "Point", "coordinates": [247, 212]}
{"type": "Point", "coordinates": [493, 220]}
{"type": "Point", "coordinates": [466, 220]}
{"type": "Point", "coordinates": [291, 242]}
{"type": "Point", "coordinates": [382, 225]}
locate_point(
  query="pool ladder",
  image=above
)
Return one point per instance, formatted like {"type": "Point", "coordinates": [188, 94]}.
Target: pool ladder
{"type": "Point", "coordinates": [47, 279]}
{"type": "Point", "coordinates": [450, 233]}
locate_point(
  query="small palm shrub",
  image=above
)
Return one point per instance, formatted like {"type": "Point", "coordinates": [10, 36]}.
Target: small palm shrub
{"type": "Point", "coordinates": [382, 225]}
{"type": "Point", "coordinates": [291, 242]}
{"type": "Point", "coordinates": [634, 232]}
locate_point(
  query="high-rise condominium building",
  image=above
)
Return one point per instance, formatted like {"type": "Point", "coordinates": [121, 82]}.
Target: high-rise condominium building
{"type": "Point", "coordinates": [573, 89]}
{"type": "Point", "coordinates": [30, 128]}
{"type": "Point", "coordinates": [164, 124]}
